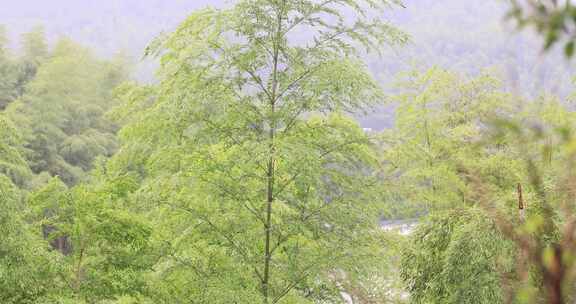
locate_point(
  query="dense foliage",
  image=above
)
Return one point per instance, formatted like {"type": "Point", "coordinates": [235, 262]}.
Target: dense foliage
{"type": "Point", "coordinates": [243, 176]}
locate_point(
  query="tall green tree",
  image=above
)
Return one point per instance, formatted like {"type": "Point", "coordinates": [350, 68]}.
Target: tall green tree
{"type": "Point", "coordinates": [247, 155]}
{"type": "Point", "coordinates": [499, 229]}
{"type": "Point", "coordinates": [439, 118]}
{"type": "Point", "coordinates": [544, 232]}
{"type": "Point", "coordinates": [456, 255]}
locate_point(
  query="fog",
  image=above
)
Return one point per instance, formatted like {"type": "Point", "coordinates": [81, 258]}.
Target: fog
{"type": "Point", "coordinates": [464, 36]}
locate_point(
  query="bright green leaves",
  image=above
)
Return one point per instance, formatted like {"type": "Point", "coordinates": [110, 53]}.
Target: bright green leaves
{"type": "Point", "coordinates": [106, 248]}
{"type": "Point", "coordinates": [478, 151]}
{"type": "Point", "coordinates": [256, 179]}
{"type": "Point", "coordinates": [436, 152]}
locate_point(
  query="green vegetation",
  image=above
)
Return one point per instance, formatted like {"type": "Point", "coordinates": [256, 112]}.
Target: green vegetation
{"type": "Point", "coordinates": [243, 176]}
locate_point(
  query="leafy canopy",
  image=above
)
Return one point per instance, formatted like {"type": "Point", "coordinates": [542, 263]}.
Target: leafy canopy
{"type": "Point", "coordinates": [246, 154]}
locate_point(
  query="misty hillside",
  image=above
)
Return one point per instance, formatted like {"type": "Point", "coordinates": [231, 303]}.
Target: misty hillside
{"type": "Point", "coordinates": [466, 36]}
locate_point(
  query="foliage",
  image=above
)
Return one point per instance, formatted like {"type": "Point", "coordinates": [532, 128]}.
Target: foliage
{"type": "Point", "coordinates": [8, 77]}
{"type": "Point", "coordinates": [12, 164]}
{"type": "Point", "coordinates": [15, 73]}
{"type": "Point", "coordinates": [247, 157]}
{"type": "Point", "coordinates": [457, 257]}
{"type": "Point", "coordinates": [28, 272]}
{"type": "Point", "coordinates": [107, 250]}
{"type": "Point", "coordinates": [554, 20]}
{"type": "Point", "coordinates": [61, 114]}
{"type": "Point", "coordinates": [242, 176]}
{"type": "Point", "coordinates": [482, 237]}
{"type": "Point", "coordinates": [545, 233]}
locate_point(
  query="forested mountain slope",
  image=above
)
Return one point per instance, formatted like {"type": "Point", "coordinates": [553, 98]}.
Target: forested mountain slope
{"type": "Point", "coordinates": [464, 36]}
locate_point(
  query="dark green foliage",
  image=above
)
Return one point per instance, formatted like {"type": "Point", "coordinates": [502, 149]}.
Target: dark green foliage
{"type": "Point", "coordinates": [263, 187]}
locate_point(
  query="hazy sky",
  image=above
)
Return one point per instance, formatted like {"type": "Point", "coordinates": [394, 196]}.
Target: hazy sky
{"type": "Point", "coordinates": [104, 24]}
